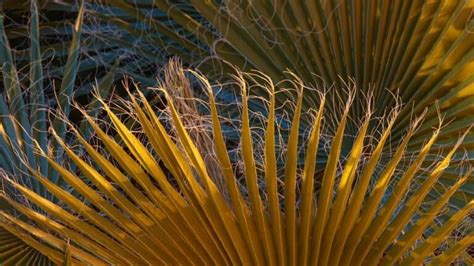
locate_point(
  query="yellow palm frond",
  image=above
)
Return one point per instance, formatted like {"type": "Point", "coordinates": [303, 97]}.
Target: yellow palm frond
{"type": "Point", "coordinates": [155, 201]}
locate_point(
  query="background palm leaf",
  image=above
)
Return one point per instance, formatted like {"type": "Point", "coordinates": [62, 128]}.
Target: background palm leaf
{"type": "Point", "coordinates": [423, 49]}
{"type": "Point", "coordinates": [24, 108]}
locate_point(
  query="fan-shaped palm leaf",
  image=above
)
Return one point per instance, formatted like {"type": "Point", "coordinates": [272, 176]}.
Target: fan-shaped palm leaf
{"type": "Point", "coordinates": [153, 201]}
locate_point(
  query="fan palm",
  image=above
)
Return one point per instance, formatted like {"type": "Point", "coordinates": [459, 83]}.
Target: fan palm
{"type": "Point", "coordinates": [154, 201]}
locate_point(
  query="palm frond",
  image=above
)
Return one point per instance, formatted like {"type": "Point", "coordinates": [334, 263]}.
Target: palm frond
{"type": "Point", "coordinates": [24, 107]}
{"type": "Point", "coordinates": [154, 201]}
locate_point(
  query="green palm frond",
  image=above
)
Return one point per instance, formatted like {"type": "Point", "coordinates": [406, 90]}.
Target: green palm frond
{"type": "Point", "coordinates": [24, 109]}
{"type": "Point", "coordinates": [422, 49]}
{"type": "Point", "coordinates": [153, 200]}
{"type": "Point", "coordinates": [24, 105]}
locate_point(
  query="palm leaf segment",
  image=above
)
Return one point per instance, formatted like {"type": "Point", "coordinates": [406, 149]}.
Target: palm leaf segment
{"type": "Point", "coordinates": [148, 211]}
{"type": "Point", "coordinates": [422, 48]}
